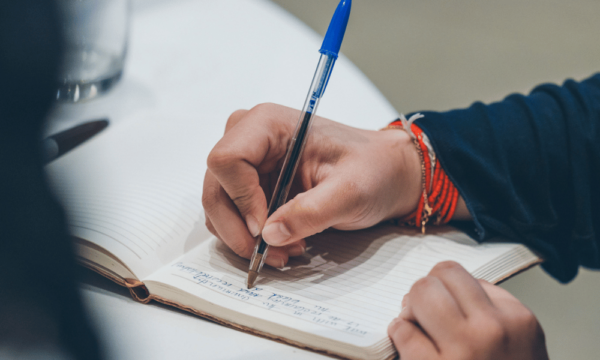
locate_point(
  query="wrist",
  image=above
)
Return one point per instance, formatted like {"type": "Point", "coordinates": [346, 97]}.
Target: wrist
{"type": "Point", "coordinates": [462, 212]}
{"type": "Point", "coordinates": [406, 173]}
{"type": "Point", "coordinates": [438, 195]}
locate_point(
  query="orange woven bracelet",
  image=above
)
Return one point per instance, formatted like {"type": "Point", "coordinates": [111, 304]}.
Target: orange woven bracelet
{"type": "Point", "coordinates": [439, 195]}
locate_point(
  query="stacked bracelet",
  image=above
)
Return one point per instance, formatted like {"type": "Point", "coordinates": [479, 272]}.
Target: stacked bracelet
{"type": "Point", "coordinates": [439, 195]}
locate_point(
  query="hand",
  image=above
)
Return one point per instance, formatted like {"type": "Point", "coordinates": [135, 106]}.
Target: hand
{"type": "Point", "coordinates": [450, 315]}
{"type": "Point", "coordinates": [347, 178]}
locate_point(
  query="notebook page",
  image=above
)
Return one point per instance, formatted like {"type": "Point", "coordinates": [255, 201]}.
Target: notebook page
{"type": "Point", "coordinates": [136, 191]}
{"type": "Point", "coordinates": [347, 287]}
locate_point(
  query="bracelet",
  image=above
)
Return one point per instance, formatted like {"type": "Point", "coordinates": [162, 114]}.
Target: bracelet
{"type": "Point", "coordinates": [439, 195]}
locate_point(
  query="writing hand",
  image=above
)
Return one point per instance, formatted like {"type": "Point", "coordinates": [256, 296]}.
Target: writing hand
{"type": "Point", "coordinates": [347, 178]}
{"type": "Point", "coordinates": [450, 315]}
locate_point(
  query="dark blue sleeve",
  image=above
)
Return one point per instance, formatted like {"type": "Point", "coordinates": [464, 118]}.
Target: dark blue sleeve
{"type": "Point", "coordinates": [528, 168]}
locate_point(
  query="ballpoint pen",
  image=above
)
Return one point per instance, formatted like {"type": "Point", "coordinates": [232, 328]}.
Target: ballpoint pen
{"type": "Point", "coordinates": [329, 53]}
{"type": "Point", "coordinates": [58, 144]}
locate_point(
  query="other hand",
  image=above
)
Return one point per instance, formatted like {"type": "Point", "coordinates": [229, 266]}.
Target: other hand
{"type": "Point", "coordinates": [451, 315]}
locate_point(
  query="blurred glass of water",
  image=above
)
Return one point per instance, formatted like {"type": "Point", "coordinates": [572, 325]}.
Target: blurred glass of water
{"type": "Point", "coordinates": [95, 34]}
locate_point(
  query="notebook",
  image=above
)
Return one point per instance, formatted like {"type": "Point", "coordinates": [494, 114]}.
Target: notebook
{"type": "Point", "coordinates": [135, 211]}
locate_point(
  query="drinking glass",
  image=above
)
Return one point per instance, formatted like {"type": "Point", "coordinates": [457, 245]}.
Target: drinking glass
{"type": "Point", "coordinates": [95, 36]}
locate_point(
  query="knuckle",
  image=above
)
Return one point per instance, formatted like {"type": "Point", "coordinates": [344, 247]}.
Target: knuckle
{"type": "Point", "coordinates": [263, 108]}
{"type": "Point", "coordinates": [219, 158]}
{"type": "Point", "coordinates": [445, 267]}
{"type": "Point", "coordinates": [246, 200]}
{"type": "Point", "coordinates": [423, 285]}
{"type": "Point", "coordinates": [234, 118]}
{"type": "Point", "coordinates": [243, 199]}
{"type": "Point", "coordinates": [526, 320]}
{"type": "Point", "coordinates": [492, 331]}
{"type": "Point", "coordinates": [210, 197]}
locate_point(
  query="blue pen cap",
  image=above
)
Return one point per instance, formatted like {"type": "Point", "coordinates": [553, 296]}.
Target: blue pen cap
{"type": "Point", "coordinates": [337, 28]}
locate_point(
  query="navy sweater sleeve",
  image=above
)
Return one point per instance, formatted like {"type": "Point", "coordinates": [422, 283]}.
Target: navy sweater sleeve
{"type": "Point", "coordinates": [528, 168]}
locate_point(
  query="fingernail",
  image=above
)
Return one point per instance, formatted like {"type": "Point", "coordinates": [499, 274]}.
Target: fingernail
{"type": "Point", "coordinates": [253, 226]}
{"type": "Point", "coordinates": [275, 262]}
{"type": "Point", "coordinates": [276, 233]}
{"type": "Point", "coordinates": [296, 250]}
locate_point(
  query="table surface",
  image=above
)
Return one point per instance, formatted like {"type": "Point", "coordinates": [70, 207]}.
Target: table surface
{"type": "Point", "coordinates": [202, 60]}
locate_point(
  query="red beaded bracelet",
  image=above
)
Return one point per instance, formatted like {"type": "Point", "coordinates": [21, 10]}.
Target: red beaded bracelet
{"type": "Point", "coordinates": [439, 195]}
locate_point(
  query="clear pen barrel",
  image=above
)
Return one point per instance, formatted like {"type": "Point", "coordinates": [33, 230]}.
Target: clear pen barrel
{"type": "Point", "coordinates": [297, 142]}
{"type": "Point", "coordinates": [318, 85]}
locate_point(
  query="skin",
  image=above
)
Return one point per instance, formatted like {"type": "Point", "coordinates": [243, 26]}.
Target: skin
{"type": "Point", "coordinates": [450, 315]}
{"type": "Point", "coordinates": [350, 179]}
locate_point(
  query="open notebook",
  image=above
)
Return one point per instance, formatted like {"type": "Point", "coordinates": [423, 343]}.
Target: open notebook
{"type": "Point", "coordinates": [134, 208]}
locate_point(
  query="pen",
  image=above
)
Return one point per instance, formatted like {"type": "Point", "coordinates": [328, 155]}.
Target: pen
{"type": "Point", "coordinates": [58, 144]}
{"type": "Point", "coordinates": [329, 53]}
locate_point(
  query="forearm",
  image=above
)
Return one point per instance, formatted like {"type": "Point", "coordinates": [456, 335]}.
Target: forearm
{"type": "Point", "coordinates": [527, 168]}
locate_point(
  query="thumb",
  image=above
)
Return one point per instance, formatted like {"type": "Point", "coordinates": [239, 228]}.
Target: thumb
{"type": "Point", "coordinates": [311, 212]}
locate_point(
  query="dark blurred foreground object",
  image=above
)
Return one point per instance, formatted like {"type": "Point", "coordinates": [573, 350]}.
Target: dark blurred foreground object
{"type": "Point", "coordinates": [41, 312]}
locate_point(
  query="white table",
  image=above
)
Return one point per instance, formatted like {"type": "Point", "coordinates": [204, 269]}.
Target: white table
{"type": "Point", "coordinates": [202, 60]}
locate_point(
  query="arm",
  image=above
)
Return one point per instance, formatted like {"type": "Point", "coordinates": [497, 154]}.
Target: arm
{"type": "Point", "coordinates": [528, 168]}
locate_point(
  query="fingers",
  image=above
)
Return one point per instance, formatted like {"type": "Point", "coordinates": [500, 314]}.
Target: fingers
{"type": "Point", "coordinates": [441, 302]}
{"type": "Point", "coordinates": [466, 319]}
{"type": "Point", "coordinates": [296, 248]}
{"type": "Point", "coordinates": [329, 203]}
{"type": "Point", "coordinates": [410, 341]}
{"type": "Point", "coordinates": [430, 305]}
{"type": "Point", "coordinates": [230, 228]}
{"type": "Point", "coordinates": [279, 256]}
{"type": "Point", "coordinates": [254, 142]}
{"type": "Point", "coordinates": [240, 181]}
{"type": "Point", "coordinates": [465, 289]}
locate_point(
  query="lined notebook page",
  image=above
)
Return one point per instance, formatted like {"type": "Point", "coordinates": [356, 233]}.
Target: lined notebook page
{"type": "Point", "coordinates": [136, 191]}
{"type": "Point", "coordinates": [347, 287]}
